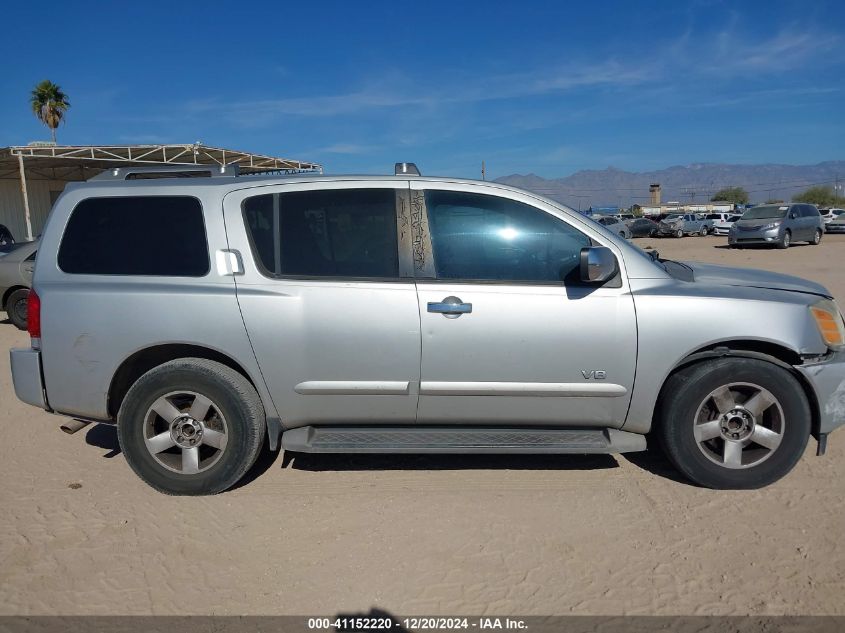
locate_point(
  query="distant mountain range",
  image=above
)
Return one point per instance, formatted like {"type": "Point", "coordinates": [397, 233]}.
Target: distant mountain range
{"type": "Point", "coordinates": [690, 183]}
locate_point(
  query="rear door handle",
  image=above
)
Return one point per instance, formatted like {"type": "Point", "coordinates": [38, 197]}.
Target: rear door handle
{"type": "Point", "coordinates": [450, 307]}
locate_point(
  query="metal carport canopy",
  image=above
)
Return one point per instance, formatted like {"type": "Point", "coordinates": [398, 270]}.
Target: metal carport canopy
{"type": "Point", "coordinates": [80, 162]}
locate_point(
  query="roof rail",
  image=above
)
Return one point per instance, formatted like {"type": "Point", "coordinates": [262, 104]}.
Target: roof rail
{"type": "Point", "coordinates": [406, 169]}
{"type": "Point", "coordinates": [168, 171]}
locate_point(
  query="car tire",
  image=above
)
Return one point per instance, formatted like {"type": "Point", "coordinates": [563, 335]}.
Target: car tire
{"type": "Point", "coordinates": [703, 231]}
{"type": "Point", "coordinates": [817, 238]}
{"type": "Point", "coordinates": [16, 307]}
{"type": "Point", "coordinates": [786, 240]}
{"type": "Point", "coordinates": [679, 233]}
{"type": "Point", "coordinates": [208, 434]}
{"type": "Point", "coordinates": [779, 417]}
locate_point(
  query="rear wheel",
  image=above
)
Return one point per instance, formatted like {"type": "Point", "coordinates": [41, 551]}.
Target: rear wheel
{"type": "Point", "coordinates": [16, 307]}
{"type": "Point", "coordinates": [734, 423]}
{"type": "Point", "coordinates": [191, 427]}
{"type": "Point", "coordinates": [786, 240]}
{"type": "Point", "coordinates": [817, 237]}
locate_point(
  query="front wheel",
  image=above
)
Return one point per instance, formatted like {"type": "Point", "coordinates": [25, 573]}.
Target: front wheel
{"type": "Point", "coordinates": [734, 423]}
{"type": "Point", "coordinates": [16, 307]}
{"type": "Point", "coordinates": [191, 427]}
{"type": "Point", "coordinates": [703, 231]}
{"type": "Point", "coordinates": [817, 237]}
{"type": "Point", "coordinates": [679, 233]}
{"type": "Point", "coordinates": [786, 240]}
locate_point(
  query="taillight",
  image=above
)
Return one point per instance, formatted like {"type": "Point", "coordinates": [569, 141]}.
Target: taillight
{"type": "Point", "coordinates": [33, 315]}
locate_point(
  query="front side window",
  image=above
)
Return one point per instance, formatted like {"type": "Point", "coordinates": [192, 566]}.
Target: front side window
{"type": "Point", "coordinates": [488, 238]}
{"type": "Point", "coordinates": [328, 233]}
{"type": "Point", "coordinates": [136, 235]}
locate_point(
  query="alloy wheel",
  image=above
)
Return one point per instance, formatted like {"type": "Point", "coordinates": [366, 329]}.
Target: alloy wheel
{"type": "Point", "coordinates": [185, 432]}
{"type": "Point", "coordinates": [739, 425]}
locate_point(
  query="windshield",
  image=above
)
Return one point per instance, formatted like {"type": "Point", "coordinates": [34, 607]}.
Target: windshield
{"type": "Point", "coordinates": [765, 212]}
{"type": "Point", "coordinates": [674, 216]}
{"type": "Point", "coordinates": [734, 218]}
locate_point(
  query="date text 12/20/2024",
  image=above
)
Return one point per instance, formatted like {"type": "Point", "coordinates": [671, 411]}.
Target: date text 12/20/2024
{"type": "Point", "coordinates": [359, 623]}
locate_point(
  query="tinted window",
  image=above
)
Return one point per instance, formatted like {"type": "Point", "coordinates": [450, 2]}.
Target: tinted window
{"type": "Point", "coordinates": [810, 211]}
{"type": "Point", "coordinates": [140, 235]}
{"type": "Point", "coordinates": [336, 233]}
{"type": "Point", "coordinates": [480, 237]}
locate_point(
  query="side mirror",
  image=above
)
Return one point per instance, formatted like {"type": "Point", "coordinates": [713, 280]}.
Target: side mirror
{"type": "Point", "coordinates": [598, 264]}
{"type": "Point", "coordinates": [792, 215]}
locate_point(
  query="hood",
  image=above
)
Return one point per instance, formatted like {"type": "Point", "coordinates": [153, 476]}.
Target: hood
{"type": "Point", "coordinates": [753, 278]}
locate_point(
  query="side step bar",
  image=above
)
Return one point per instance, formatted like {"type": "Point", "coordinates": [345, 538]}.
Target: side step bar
{"type": "Point", "coordinates": [322, 439]}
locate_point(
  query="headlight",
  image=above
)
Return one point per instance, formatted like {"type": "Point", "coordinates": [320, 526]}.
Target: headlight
{"type": "Point", "coordinates": [770, 225]}
{"type": "Point", "coordinates": [829, 321]}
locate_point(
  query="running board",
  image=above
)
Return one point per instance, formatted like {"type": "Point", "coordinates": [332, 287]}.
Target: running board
{"type": "Point", "coordinates": [322, 439]}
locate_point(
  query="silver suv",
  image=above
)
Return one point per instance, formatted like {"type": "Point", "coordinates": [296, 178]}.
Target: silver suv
{"type": "Point", "coordinates": [686, 224]}
{"type": "Point", "coordinates": [403, 314]}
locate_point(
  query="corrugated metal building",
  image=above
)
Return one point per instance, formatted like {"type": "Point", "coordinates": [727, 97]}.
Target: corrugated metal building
{"type": "Point", "coordinates": [33, 176]}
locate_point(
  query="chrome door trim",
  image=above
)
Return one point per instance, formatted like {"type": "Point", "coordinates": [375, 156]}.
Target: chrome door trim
{"type": "Point", "coordinates": [533, 389]}
{"type": "Point", "coordinates": [353, 388]}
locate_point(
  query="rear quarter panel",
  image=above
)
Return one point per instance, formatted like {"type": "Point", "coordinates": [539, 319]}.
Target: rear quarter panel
{"type": "Point", "coordinates": [92, 323]}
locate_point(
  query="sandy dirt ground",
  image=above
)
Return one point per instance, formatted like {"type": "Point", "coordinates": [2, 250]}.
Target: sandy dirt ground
{"type": "Point", "coordinates": [80, 534]}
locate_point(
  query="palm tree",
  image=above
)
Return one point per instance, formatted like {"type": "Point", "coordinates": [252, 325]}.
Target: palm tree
{"type": "Point", "coordinates": [49, 104]}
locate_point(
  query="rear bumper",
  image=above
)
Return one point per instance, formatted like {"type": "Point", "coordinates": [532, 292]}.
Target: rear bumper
{"type": "Point", "coordinates": [27, 377]}
{"type": "Point", "coordinates": [828, 381]}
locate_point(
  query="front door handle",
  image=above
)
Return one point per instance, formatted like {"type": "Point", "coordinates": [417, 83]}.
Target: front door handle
{"type": "Point", "coordinates": [450, 307]}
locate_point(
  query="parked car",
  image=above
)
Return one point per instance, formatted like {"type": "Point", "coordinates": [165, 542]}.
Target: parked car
{"type": "Point", "coordinates": [615, 225]}
{"type": "Point", "coordinates": [679, 225]}
{"type": "Point", "coordinates": [837, 225]}
{"type": "Point", "coordinates": [404, 314]}
{"type": "Point", "coordinates": [642, 227]}
{"type": "Point", "coordinates": [624, 216]}
{"type": "Point", "coordinates": [829, 215]}
{"type": "Point", "coordinates": [723, 227]}
{"type": "Point", "coordinates": [777, 224]}
{"type": "Point", "coordinates": [16, 268]}
{"type": "Point", "coordinates": [720, 216]}
{"type": "Point", "coordinates": [661, 216]}
{"type": "Point", "coordinates": [6, 237]}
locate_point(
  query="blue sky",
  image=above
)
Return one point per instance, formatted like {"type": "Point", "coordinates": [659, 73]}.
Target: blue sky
{"type": "Point", "coordinates": [542, 87]}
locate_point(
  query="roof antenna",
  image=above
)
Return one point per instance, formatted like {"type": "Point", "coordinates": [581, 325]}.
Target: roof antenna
{"type": "Point", "coordinates": [406, 169]}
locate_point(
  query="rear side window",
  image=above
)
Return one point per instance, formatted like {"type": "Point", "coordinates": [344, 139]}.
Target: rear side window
{"type": "Point", "coordinates": [331, 233]}
{"type": "Point", "coordinates": [138, 235]}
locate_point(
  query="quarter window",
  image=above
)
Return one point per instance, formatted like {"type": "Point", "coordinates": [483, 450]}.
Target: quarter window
{"type": "Point", "coordinates": [138, 235]}
{"type": "Point", "coordinates": [330, 233]}
{"type": "Point", "coordinates": [488, 238]}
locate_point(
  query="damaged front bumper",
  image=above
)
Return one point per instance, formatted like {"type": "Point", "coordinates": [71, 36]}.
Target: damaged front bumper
{"type": "Point", "coordinates": [827, 378]}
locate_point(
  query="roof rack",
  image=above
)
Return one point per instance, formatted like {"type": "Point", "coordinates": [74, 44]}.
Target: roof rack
{"type": "Point", "coordinates": [169, 171]}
